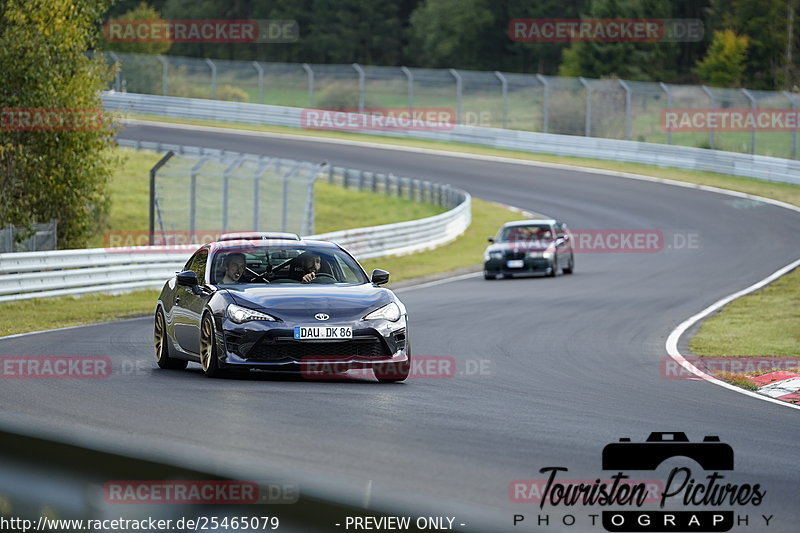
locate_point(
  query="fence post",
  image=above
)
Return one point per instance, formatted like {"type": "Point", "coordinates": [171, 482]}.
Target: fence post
{"type": "Point", "coordinates": [667, 90]}
{"type": "Point", "coordinates": [504, 85]}
{"type": "Point", "coordinates": [791, 99]}
{"type": "Point", "coordinates": [361, 86]}
{"type": "Point", "coordinates": [310, 73]}
{"type": "Point", "coordinates": [153, 171]}
{"type": "Point", "coordinates": [118, 73]}
{"type": "Point", "coordinates": [260, 71]}
{"type": "Point", "coordinates": [587, 128]}
{"type": "Point", "coordinates": [193, 197]}
{"type": "Point", "coordinates": [213, 68]}
{"type": "Point", "coordinates": [753, 106]}
{"type": "Point", "coordinates": [545, 103]}
{"type": "Point", "coordinates": [459, 88]}
{"type": "Point", "coordinates": [164, 74]}
{"type": "Point", "coordinates": [627, 109]}
{"type": "Point", "coordinates": [713, 102]}
{"type": "Point", "coordinates": [225, 183]}
{"type": "Point", "coordinates": [410, 78]}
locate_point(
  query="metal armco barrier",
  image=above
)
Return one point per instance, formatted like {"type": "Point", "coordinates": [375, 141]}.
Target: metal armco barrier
{"type": "Point", "coordinates": [684, 157]}
{"type": "Point", "coordinates": [106, 270]}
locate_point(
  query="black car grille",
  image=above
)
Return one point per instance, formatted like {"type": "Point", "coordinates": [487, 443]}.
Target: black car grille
{"type": "Point", "coordinates": [299, 350]}
{"type": "Point", "coordinates": [515, 255]}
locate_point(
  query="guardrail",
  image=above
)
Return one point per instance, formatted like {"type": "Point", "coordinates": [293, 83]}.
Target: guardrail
{"type": "Point", "coordinates": [108, 270]}
{"type": "Point", "coordinates": [684, 157]}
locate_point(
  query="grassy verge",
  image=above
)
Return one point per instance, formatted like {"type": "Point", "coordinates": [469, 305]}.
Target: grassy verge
{"type": "Point", "coordinates": [765, 323]}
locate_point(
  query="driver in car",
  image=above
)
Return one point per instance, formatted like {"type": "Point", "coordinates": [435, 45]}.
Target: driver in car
{"type": "Point", "coordinates": [234, 264]}
{"type": "Point", "coordinates": [309, 265]}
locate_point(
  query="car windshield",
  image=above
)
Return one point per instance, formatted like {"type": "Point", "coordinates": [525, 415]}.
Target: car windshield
{"type": "Point", "coordinates": [531, 233]}
{"type": "Point", "coordinates": [284, 264]}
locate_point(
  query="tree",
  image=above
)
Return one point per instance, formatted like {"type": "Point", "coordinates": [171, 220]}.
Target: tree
{"type": "Point", "coordinates": [452, 33]}
{"type": "Point", "coordinates": [53, 174]}
{"type": "Point", "coordinates": [140, 12]}
{"type": "Point", "coordinates": [641, 61]}
{"type": "Point", "coordinates": [724, 62]}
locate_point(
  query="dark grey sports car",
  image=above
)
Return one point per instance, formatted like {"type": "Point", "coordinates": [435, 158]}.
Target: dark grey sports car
{"type": "Point", "coordinates": [281, 304]}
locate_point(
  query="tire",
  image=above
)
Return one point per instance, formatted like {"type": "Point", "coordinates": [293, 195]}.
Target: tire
{"type": "Point", "coordinates": [209, 356]}
{"type": "Point", "coordinates": [393, 372]}
{"type": "Point", "coordinates": [554, 273]}
{"type": "Point", "coordinates": [161, 345]}
{"type": "Point", "coordinates": [568, 270]}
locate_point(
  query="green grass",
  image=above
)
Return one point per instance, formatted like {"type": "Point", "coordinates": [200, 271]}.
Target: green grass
{"type": "Point", "coordinates": [51, 313]}
{"type": "Point", "coordinates": [763, 324]}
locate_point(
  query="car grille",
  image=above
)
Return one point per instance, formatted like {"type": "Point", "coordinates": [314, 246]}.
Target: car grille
{"type": "Point", "coordinates": [515, 255]}
{"type": "Point", "coordinates": [299, 350]}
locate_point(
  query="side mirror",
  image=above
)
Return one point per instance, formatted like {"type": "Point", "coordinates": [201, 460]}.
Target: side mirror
{"type": "Point", "coordinates": [379, 277]}
{"type": "Point", "coordinates": [187, 278]}
{"type": "Point", "coordinates": [490, 239]}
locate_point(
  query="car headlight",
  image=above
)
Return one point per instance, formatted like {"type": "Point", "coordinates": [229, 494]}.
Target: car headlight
{"type": "Point", "coordinates": [547, 255]}
{"type": "Point", "coordinates": [240, 314]}
{"type": "Point", "coordinates": [492, 255]}
{"type": "Point", "coordinates": [534, 255]}
{"type": "Point", "coordinates": [390, 312]}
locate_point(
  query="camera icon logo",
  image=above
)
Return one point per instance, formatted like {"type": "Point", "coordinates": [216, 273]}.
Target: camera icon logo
{"type": "Point", "coordinates": [711, 454]}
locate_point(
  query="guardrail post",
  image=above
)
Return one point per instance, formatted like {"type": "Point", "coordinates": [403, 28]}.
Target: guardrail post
{"type": "Point", "coordinates": [310, 73]}
{"type": "Point", "coordinates": [410, 78]}
{"type": "Point", "coordinates": [665, 88]}
{"type": "Point", "coordinates": [260, 71]}
{"type": "Point", "coordinates": [153, 171]}
{"type": "Point", "coordinates": [791, 99]}
{"type": "Point", "coordinates": [545, 103]}
{"type": "Point", "coordinates": [361, 87]}
{"type": "Point", "coordinates": [118, 72]}
{"type": "Point", "coordinates": [504, 88]}
{"type": "Point", "coordinates": [587, 128]}
{"type": "Point", "coordinates": [213, 68]}
{"type": "Point", "coordinates": [753, 106]}
{"type": "Point", "coordinates": [713, 102]}
{"type": "Point", "coordinates": [459, 89]}
{"type": "Point", "coordinates": [628, 110]}
{"type": "Point", "coordinates": [164, 74]}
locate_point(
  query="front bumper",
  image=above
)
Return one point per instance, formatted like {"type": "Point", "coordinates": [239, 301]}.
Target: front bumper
{"type": "Point", "coordinates": [271, 346]}
{"type": "Point", "coordinates": [530, 266]}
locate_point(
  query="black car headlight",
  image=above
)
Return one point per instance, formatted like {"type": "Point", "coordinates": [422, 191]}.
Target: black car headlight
{"type": "Point", "coordinates": [390, 312]}
{"type": "Point", "coordinates": [240, 314]}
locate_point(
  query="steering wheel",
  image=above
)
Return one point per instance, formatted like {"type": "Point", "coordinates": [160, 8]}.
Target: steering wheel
{"type": "Point", "coordinates": [323, 275]}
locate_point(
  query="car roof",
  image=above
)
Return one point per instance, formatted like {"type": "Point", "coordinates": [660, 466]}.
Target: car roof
{"type": "Point", "coordinates": [258, 235]}
{"type": "Point", "coordinates": [228, 245]}
{"type": "Point", "coordinates": [530, 222]}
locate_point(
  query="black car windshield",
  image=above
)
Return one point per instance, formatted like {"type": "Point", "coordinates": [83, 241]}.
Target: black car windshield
{"type": "Point", "coordinates": [526, 233]}
{"type": "Point", "coordinates": [284, 264]}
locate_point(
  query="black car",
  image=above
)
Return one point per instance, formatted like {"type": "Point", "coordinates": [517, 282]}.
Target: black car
{"type": "Point", "coordinates": [529, 246]}
{"type": "Point", "coordinates": [255, 305]}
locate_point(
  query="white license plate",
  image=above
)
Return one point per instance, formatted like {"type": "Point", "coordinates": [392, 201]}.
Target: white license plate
{"type": "Point", "coordinates": [515, 263]}
{"type": "Point", "coordinates": [323, 332]}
